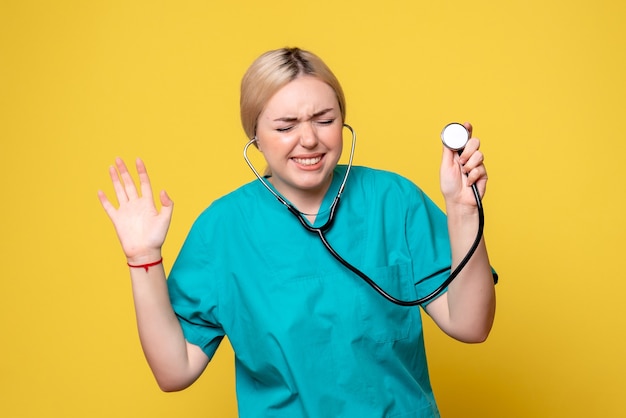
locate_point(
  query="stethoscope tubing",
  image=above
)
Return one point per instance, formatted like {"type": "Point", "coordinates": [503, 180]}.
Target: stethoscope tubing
{"type": "Point", "coordinates": [435, 293]}
{"type": "Point", "coordinates": [320, 231]}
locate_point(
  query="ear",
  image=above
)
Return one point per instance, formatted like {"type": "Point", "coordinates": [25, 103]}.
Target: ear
{"type": "Point", "coordinates": [257, 143]}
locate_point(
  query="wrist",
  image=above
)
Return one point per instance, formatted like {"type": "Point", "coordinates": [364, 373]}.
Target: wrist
{"type": "Point", "coordinates": [145, 258]}
{"type": "Point", "coordinates": [460, 212]}
{"type": "Point", "coordinates": [146, 266]}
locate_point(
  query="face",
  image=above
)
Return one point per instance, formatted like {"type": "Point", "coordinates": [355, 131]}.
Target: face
{"type": "Point", "coordinates": [300, 135]}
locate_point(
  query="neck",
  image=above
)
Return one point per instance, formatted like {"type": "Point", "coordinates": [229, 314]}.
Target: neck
{"type": "Point", "coordinates": [306, 201]}
{"type": "Point", "coordinates": [307, 204]}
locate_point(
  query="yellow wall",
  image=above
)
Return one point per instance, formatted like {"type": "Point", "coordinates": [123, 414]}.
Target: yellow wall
{"type": "Point", "coordinates": [543, 82]}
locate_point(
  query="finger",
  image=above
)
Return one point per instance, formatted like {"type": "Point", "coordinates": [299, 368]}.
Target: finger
{"type": "Point", "coordinates": [120, 192]}
{"type": "Point", "coordinates": [473, 144]}
{"type": "Point", "coordinates": [127, 179]}
{"type": "Point", "coordinates": [167, 205]}
{"type": "Point", "coordinates": [106, 204]}
{"type": "Point", "coordinates": [166, 201]}
{"type": "Point", "coordinates": [481, 184]}
{"type": "Point", "coordinates": [476, 159]}
{"type": "Point", "coordinates": [469, 128]}
{"type": "Point", "coordinates": [144, 179]}
{"type": "Point", "coordinates": [476, 175]}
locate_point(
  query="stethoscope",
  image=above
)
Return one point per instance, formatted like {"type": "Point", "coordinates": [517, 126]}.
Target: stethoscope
{"type": "Point", "coordinates": [454, 136]}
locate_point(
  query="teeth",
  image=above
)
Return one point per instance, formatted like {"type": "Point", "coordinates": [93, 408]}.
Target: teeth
{"type": "Point", "coordinates": [307, 161]}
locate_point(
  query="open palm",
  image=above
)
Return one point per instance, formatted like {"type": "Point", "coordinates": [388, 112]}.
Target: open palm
{"type": "Point", "coordinates": [140, 226]}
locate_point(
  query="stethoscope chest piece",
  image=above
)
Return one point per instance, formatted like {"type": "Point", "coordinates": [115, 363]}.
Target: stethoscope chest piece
{"type": "Point", "coordinates": [454, 136]}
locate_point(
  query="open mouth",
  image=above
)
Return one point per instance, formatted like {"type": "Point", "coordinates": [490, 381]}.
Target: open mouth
{"type": "Point", "coordinates": [307, 161]}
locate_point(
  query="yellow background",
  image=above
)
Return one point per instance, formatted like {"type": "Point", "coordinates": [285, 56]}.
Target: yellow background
{"type": "Point", "coordinates": [543, 83]}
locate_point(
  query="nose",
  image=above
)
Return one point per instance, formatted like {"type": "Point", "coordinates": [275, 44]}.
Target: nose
{"type": "Point", "coordinates": [308, 135]}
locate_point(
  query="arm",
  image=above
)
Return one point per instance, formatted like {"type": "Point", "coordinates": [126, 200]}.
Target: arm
{"type": "Point", "coordinates": [467, 310]}
{"type": "Point", "coordinates": [142, 229]}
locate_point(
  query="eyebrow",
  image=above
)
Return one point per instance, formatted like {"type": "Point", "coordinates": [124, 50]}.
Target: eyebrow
{"type": "Point", "coordinates": [293, 119]}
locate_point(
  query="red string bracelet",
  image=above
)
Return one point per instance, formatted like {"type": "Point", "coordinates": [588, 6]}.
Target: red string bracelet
{"type": "Point", "coordinates": [146, 266]}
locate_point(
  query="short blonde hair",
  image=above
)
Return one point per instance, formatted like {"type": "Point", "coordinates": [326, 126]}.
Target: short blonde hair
{"type": "Point", "coordinates": [273, 70]}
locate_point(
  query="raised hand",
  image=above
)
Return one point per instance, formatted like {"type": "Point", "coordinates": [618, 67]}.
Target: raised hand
{"type": "Point", "coordinates": [459, 172]}
{"type": "Point", "coordinates": [140, 226]}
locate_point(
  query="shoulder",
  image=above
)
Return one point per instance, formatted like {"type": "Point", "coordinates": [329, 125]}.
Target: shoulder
{"type": "Point", "coordinates": [382, 180]}
{"type": "Point", "coordinates": [389, 190]}
{"type": "Point", "coordinates": [231, 205]}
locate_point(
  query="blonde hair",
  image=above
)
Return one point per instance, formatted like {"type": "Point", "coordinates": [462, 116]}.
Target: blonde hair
{"type": "Point", "coordinates": [273, 70]}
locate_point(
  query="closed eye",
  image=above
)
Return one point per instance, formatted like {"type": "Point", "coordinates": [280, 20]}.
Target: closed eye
{"type": "Point", "coordinates": [323, 122]}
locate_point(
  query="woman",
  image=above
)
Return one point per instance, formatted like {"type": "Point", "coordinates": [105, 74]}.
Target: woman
{"type": "Point", "coordinates": [310, 338]}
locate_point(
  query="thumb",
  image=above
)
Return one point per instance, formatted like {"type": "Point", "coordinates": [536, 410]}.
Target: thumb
{"type": "Point", "coordinates": [447, 157]}
{"type": "Point", "coordinates": [167, 204]}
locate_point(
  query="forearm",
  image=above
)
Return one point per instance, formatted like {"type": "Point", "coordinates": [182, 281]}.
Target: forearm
{"type": "Point", "coordinates": [471, 296]}
{"type": "Point", "coordinates": [160, 333]}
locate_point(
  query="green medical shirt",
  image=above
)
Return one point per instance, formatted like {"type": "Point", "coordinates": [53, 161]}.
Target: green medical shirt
{"type": "Point", "coordinates": [311, 339]}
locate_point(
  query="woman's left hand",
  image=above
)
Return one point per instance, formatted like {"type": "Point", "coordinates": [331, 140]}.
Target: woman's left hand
{"type": "Point", "coordinates": [459, 172]}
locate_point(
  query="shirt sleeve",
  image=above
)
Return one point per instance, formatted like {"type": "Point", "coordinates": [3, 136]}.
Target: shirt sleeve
{"type": "Point", "coordinates": [427, 231]}
{"type": "Point", "coordinates": [429, 242]}
{"type": "Point", "coordinates": [194, 287]}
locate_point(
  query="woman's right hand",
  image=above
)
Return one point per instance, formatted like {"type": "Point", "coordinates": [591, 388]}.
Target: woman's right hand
{"type": "Point", "coordinates": [140, 227]}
